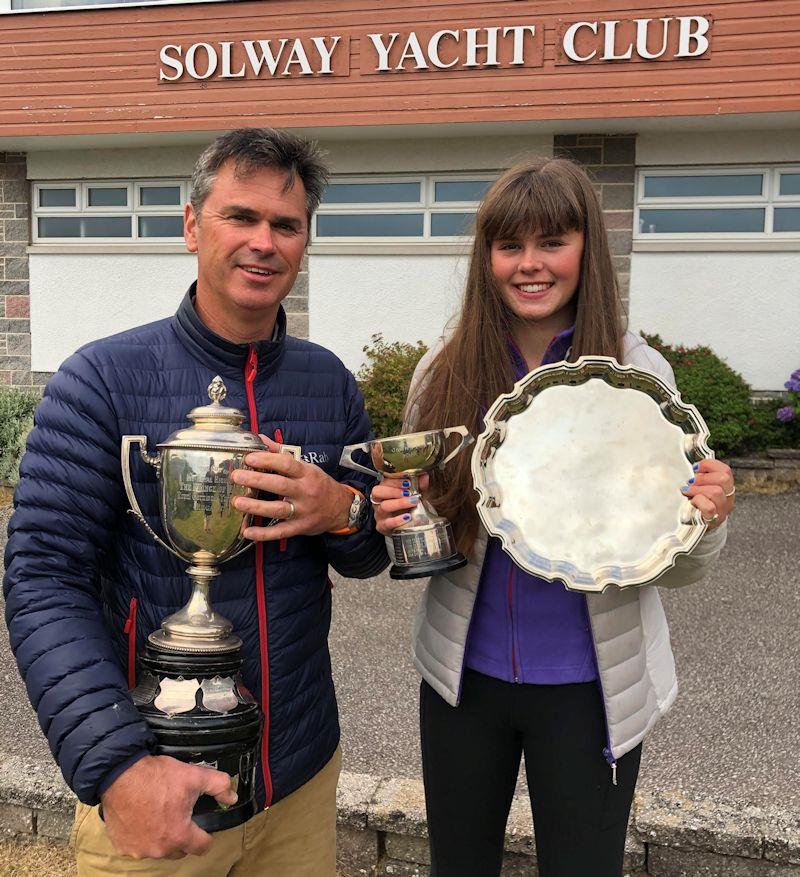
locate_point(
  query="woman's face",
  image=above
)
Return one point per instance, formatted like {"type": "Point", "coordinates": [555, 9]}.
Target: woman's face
{"type": "Point", "coordinates": [538, 274]}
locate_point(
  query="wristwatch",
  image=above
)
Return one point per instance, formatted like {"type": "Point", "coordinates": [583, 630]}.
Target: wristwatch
{"type": "Point", "coordinates": [357, 514]}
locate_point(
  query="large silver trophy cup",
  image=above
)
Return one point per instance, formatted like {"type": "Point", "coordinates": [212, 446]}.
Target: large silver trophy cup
{"type": "Point", "coordinates": [190, 691]}
{"type": "Point", "coordinates": [425, 546]}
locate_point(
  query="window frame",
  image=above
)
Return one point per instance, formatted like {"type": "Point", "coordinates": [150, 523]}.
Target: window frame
{"type": "Point", "coordinates": [6, 8]}
{"type": "Point", "coordinates": [427, 205]}
{"type": "Point", "coordinates": [132, 210]}
{"type": "Point", "coordinates": [768, 201]}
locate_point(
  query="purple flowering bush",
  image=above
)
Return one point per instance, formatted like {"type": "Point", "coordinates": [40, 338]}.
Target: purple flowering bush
{"type": "Point", "coordinates": [789, 412]}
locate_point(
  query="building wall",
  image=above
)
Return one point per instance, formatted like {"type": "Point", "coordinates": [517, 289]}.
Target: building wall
{"type": "Point", "coordinates": [741, 300]}
{"type": "Point", "coordinates": [408, 295]}
{"type": "Point", "coordinates": [717, 147]}
{"type": "Point", "coordinates": [745, 306]}
{"type": "Point", "coordinates": [115, 87]}
{"type": "Point", "coordinates": [404, 298]}
{"type": "Point", "coordinates": [15, 338]}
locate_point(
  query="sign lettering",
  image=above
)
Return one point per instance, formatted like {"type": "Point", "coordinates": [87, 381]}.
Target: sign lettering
{"type": "Point", "coordinates": [498, 46]}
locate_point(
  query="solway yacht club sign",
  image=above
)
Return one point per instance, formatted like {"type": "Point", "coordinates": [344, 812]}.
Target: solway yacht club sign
{"type": "Point", "coordinates": [505, 46]}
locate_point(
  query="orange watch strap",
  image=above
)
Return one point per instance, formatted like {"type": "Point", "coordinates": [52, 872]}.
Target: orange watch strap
{"type": "Point", "coordinates": [348, 531]}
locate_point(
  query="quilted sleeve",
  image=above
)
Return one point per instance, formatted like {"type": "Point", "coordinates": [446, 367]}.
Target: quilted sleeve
{"type": "Point", "coordinates": [364, 553]}
{"type": "Point", "coordinates": [66, 507]}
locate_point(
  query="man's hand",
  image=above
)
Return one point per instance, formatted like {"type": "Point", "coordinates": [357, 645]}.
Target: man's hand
{"type": "Point", "coordinates": [312, 501]}
{"type": "Point", "coordinates": [148, 808]}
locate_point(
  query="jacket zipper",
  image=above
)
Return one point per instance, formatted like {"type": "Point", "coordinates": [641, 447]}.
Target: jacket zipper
{"type": "Point", "coordinates": [130, 630]}
{"type": "Point", "coordinates": [511, 616]}
{"type": "Point", "coordinates": [249, 378]}
{"type": "Point", "coordinates": [608, 753]}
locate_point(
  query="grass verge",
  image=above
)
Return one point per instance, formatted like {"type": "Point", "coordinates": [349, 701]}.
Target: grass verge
{"type": "Point", "coordinates": [24, 858]}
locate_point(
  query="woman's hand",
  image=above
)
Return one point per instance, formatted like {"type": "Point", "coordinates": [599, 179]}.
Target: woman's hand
{"type": "Point", "coordinates": [393, 503]}
{"type": "Point", "coordinates": [712, 491]}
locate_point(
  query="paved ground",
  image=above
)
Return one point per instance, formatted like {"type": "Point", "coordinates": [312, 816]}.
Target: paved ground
{"type": "Point", "coordinates": [733, 735]}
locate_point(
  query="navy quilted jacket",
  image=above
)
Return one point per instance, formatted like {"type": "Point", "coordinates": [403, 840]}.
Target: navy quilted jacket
{"type": "Point", "coordinates": [85, 584]}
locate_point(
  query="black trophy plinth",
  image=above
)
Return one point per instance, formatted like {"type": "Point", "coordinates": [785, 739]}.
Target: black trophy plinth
{"type": "Point", "coordinates": [201, 713]}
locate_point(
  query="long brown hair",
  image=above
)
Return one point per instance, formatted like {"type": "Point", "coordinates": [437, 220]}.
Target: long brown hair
{"type": "Point", "coordinates": [548, 196]}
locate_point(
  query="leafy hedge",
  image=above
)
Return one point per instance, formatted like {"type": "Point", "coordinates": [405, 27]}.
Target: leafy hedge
{"type": "Point", "coordinates": [738, 425]}
{"type": "Point", "coordinates": [16, 421]}
{"type": "Point", "coordinates": [384, 380]}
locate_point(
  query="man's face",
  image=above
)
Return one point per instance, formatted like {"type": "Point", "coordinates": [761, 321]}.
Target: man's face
{"type": "Point", "coordinates": [249, 240]}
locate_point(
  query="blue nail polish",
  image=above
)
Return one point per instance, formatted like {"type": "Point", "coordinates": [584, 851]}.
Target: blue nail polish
{"type": "Point", "coordinates": [406, 517]}
{"type": "Point", "coordinates": [414, 499]}
{"type": "Point", "coordinates": [696, 467]}
{"type": "Point", "coordinates": [691, 481]}
{"type": "Point", "coordinates": [406, 484]}
{"type": "Point", "coordinates": [406, 493]}
{"type": "Point", "coordinates": [685, 487]}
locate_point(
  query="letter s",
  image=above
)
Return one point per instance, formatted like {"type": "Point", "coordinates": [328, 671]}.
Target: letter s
{"type": "Point", "coordinates": [174, 63]}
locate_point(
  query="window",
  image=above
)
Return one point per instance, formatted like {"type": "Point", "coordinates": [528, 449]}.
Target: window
{"type": "Point", "coordinates": [718, 202]}
{"type": "Point", "coordinates": [425, 208]}
{"type": "Point", "coordinates": [107, 211]}
{"type": "Point", "coordinates": [54, 5]}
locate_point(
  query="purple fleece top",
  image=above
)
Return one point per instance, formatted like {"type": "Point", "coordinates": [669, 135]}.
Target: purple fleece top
{"type": "Point", "coordinates": [523, 628]}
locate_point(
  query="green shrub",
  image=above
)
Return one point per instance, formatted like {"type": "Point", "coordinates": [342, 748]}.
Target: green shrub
{"type": "Point", "coordinates": [384, 380]}
{"type": "Point", "coordinates": [16, 421]}
{"type": "Point", "coordinates": [721, 395]}
{"type": "Point", "coordinates": [766, 431]}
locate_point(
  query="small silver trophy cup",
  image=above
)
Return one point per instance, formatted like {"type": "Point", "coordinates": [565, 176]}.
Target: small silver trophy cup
{"type": "Point", "coordinates": [425, 546]}
{"type": "Point", "coordinates": [190, 691]}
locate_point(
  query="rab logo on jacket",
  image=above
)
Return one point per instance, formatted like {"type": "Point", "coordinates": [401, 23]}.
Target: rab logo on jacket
{"type": "Point", "coordinates": [318, 457]}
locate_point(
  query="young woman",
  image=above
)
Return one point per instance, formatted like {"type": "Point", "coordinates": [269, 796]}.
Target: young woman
{"type": "Point", "coordinates": [512, 663]}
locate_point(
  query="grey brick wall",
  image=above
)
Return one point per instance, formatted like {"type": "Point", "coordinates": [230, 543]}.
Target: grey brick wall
{"type": "Point", "coordinates": [610, 160]}
{"type": "Point", "coordinates": [15, 327]}
{"type": "Point", "coordinates": [296, 304]}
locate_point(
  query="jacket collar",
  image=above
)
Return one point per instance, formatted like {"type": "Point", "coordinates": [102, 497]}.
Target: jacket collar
{"type": "Point", "coordinates": [221, 355]}
{"type": "Point", "coordinates": [557, 350]}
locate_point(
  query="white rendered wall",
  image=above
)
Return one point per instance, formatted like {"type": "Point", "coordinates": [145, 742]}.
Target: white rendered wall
{"type": "Point", "coordinates": [78, 298]}
{"type": "Point", "coordinates": [406, 298]}
{"type": "Point", "coordinates": [717, 147]}
{"type": "Point", "coordinates": [744, 306]}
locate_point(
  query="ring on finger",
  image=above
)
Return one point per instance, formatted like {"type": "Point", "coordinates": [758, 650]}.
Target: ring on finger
{"type": "Point", "coordinates": [714, 517]}
{"type": "Point", "coordinates": [375, 502]}
{"type": "Point", "coordinates": [291, 509]}
{"type": "Point", "coordinates": [733, 490]}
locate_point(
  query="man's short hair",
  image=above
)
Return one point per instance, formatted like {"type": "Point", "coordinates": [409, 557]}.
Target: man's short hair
{"type": "Point", "coordinates": [254, 149]}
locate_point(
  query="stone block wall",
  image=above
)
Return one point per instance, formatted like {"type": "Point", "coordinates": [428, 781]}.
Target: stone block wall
{"type": "Point", "coordinates": [610, 160]}
{"type": "Point", "coordinates": [15, 327]}
{"type": "Point", "coordinates": [382, 830]}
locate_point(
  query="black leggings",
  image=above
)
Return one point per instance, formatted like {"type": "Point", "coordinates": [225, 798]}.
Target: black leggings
{"type": "Point", "coordinates": [470, 762]}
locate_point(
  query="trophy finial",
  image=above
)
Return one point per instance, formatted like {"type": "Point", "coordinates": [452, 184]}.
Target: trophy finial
{"type": "Point", "coordinates": [217, 390]}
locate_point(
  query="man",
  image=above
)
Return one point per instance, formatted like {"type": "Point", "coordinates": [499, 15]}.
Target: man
{"type": "Point", "coordinates": [85, 585]}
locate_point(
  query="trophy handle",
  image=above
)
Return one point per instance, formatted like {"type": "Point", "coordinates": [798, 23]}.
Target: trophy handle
{"type": "Point", "coordinates": [466, 440]}
{"type": "Point", "coordinates": [155, 461]}
{"type": "Point", "coordinates": [348, 462]}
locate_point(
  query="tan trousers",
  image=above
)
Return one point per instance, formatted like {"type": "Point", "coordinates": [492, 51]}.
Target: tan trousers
{"type": "Point", "coordinates": [294, 838]}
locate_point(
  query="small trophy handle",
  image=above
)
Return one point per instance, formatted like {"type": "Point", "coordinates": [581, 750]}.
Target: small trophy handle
{"type": "Point", "coordinates": [466, 441]}
{"type": "Point", "coordinates": [155, 461]}
{"type": "Point", "coordinates": [348, 462]}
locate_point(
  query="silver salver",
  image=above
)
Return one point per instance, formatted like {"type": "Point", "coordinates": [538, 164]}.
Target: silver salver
{"type": "Point", "coordinates": [579, 471]}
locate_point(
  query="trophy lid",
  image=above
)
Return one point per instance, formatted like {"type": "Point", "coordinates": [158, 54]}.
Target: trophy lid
{"type": "Point", "coordinates": [215, 425]}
